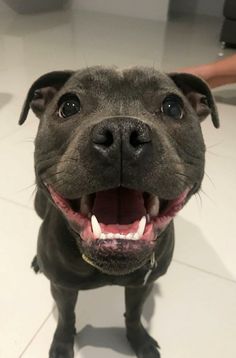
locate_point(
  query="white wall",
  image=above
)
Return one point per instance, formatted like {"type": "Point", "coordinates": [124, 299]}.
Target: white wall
{"type": "Point", "coordinates": [147, 9]}
{"type": "Point", "coordinates": [206, 7]}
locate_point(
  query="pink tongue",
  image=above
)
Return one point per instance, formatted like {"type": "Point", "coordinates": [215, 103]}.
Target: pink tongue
{"type": "Point", "coordinates": [119, 206]}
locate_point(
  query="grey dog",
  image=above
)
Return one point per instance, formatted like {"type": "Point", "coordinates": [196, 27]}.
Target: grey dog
{"type": "Point", "coordinates": [117, 155]}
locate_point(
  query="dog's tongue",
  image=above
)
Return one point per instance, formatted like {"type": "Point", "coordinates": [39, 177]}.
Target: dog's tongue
{"type": "Point", "coordinates": [118, 206]}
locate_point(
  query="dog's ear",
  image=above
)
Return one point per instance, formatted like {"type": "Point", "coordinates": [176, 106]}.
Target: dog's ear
{"type": "Point", "coordinates": [42, 91]}
{"type": "Point", "coordinates": [199, 95]}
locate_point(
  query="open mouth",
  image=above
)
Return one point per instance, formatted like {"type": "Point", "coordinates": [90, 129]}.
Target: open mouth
{"type": "Point", "coordinates": [118, 221]}
{"type": "Point", "coordinates": [119, 213]}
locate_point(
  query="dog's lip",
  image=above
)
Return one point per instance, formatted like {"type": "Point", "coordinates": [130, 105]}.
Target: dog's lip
{"type": "Point", "coordinates": [85, 225]}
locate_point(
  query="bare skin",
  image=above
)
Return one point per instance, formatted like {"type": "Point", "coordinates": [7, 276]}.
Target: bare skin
{"type": "Point", "coordinates": [217, 73]}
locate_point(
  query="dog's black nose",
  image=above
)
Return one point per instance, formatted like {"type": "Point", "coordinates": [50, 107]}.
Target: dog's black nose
{"type": "Point", "coordinates": [121, 135]}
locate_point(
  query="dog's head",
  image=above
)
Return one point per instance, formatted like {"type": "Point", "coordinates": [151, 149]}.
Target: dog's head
{"type": "Point", "coordinates": [119, 153]}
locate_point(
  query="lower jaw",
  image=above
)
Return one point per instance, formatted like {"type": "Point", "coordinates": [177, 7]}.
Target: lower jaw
{"type": "Point", "coordinates": [117, 256]}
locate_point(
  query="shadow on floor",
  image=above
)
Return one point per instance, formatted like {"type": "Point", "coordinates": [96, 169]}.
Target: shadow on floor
{"type": "Point", "coordinates": [113, 338]}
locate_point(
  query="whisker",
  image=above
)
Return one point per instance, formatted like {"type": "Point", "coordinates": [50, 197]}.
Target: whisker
{"type": "Point", "coordinates": [26, 188]}
{"type": "Point", "coordinates": [213, 153]}
{"type": "Point", "coordinates": [207, 196]}
{"type": "Point", "coordinates": [210, 179]}
{"type": "Point", "coordinates": [33, 192]}
{"type": "Point", "coordinates": [214, 145]}
{"type": "Point", "coordinates": [28, 141]}
{"type": "Point", "coordinates": [197, 195]}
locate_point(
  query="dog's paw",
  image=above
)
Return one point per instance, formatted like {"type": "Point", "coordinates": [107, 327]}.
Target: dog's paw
{"type": "Point", "coordinates": [61, 350]}
{"type": "Point", "coordinates": [143, 345]}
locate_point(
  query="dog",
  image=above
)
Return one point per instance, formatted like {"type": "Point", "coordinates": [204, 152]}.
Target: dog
{"type": "Point", "coordinates": [117, 155]}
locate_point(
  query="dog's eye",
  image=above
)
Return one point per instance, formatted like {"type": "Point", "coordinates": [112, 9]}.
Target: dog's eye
{"type": "Point", "coordinates": [172, 106]}
{"type": "Point", "coordinates": [68, 106]}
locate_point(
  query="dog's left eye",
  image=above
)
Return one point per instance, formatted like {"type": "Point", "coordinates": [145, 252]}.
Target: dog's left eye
{"type": "Point", "coordinates": [172, 106]}
{"type": "Point", "coordinates": [68, 106]}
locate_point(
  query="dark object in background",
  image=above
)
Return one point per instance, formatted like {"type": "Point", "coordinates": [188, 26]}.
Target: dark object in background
{"type": "Point", "coordinates": [35, 6]}
{"type": "Point", "coordinates": [228, 32]}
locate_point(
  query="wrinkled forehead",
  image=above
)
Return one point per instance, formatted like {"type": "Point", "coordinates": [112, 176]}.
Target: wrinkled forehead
{"type": "Point", "coordinates": [110, 80]}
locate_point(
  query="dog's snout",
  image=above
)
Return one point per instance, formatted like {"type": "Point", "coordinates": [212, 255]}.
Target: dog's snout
{"type": "Point", "coordinates": [126, 135]}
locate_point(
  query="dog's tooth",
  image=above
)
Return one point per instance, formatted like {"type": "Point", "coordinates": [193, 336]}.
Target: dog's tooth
{"type": "Point", "coordinates": [130, 236]}
{"type": "Point", "coordinates": [141, 226]}
{"type": "Point", "coordinates": [95, 226]}
{"type": "Point", "coordinates": [148, 218]}
{"type": "Point", "coordinates": [136, 236]}
{"type": "Point", "coordinates": [153, 205]}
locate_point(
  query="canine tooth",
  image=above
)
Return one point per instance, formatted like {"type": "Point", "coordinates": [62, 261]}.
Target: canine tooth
{"type": "Point", "coordinates": [148, 218]}
{"type": "Point", "coordinates": [95, 226]}
{"type": "Point", "coordinates": [129, 236]}
{"type": "Point", "coordinates": [103, 236]}
{"type": "Point", "coordinates": [110, 235]}
{"type": "Point", "coordinates": [117, 236]}
{"type": "Point", "coordinates": [122, 236]}
{"type": "Point", "coordinates": [136, 236]}
{"type": "Point", "coordinates": [153, 206]}
{"type": "Point", "coordinates": [141, 226]}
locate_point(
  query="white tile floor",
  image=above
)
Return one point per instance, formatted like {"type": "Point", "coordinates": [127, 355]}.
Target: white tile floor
{"type": "Point", "coordinates": [194, 305]}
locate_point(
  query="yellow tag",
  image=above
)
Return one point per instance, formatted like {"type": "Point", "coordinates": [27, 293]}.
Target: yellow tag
{"type": "Point", "coordinates": [86, 259]}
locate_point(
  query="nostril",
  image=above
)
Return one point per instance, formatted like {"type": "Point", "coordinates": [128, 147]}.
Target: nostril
{"type": "Point", "coordinates": [104, 139]}
{"type": "Point", "coordinates": [138, 138]}
{"type": "Point", "coordinates": [134, 139]}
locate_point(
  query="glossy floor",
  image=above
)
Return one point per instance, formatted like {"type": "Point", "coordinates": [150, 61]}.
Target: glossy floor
{"type": "Point", "coordinates": [192, 310]}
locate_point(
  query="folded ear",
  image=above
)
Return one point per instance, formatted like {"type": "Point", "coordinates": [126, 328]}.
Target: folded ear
{"type": "Point", "coordinates": [199, 95]}
{"type": "Point", "coordinates": [42, 91]}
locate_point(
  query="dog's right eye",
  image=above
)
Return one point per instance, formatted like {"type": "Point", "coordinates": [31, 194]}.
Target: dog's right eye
{"type": "Point", "coordinates": [68, 106]}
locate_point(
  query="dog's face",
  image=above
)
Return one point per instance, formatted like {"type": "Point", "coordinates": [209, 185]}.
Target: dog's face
{"type": "Point", "coordinates": [119, 154]}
